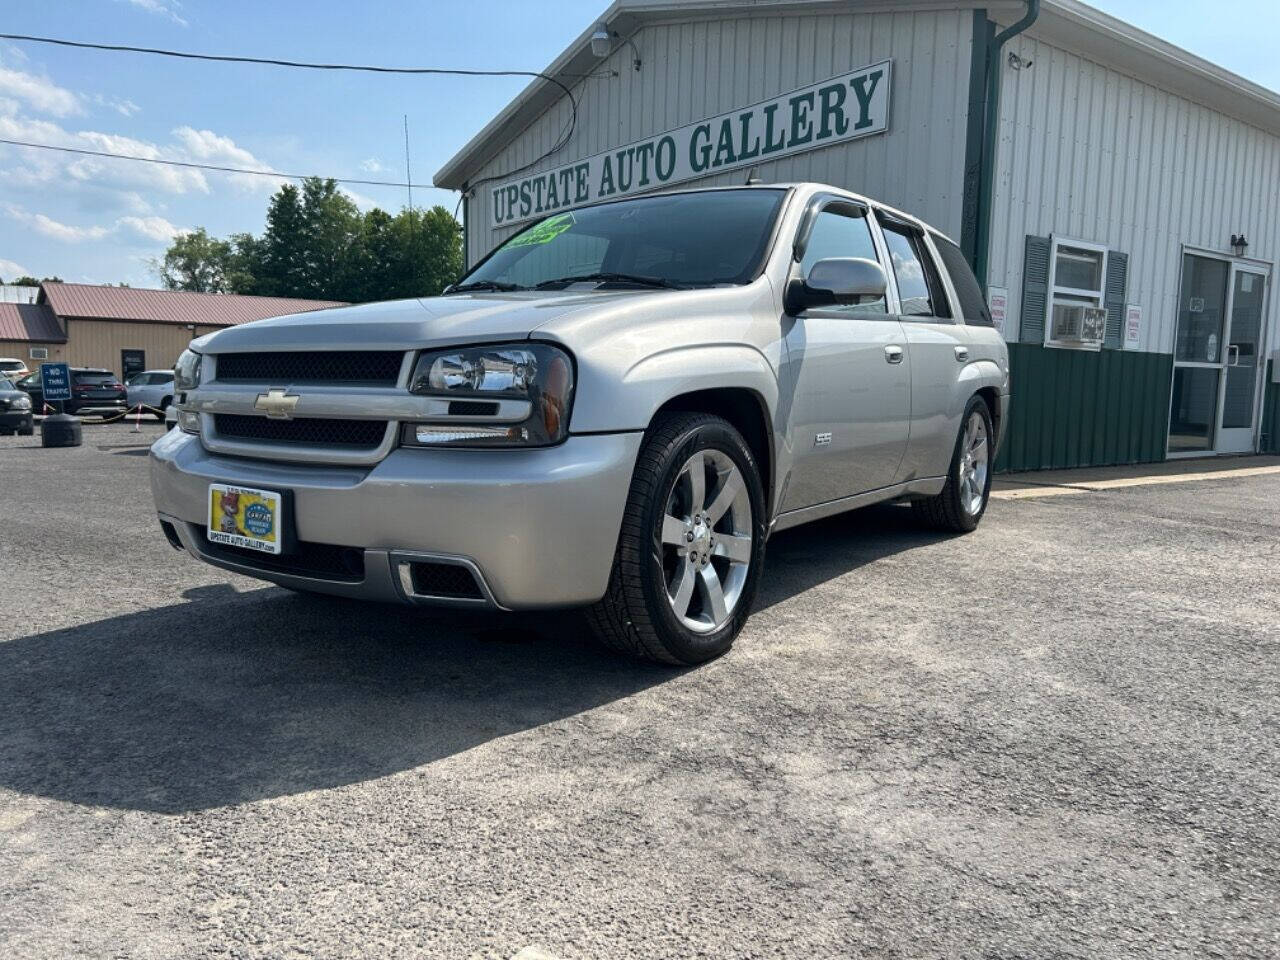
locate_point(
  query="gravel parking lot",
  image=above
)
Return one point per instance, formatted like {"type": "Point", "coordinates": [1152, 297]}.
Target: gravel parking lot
{"type": "Point", "coordinates": [1056, 737]}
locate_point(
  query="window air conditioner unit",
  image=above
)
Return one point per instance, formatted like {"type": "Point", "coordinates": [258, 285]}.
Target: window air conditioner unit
{"type": "Point", "coordinates": [1079, 324]}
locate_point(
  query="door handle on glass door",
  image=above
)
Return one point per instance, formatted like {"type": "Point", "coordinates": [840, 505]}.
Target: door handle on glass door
{"type": "Point", "coordinates": [1233, 354]}
{"type": "Point", "coordinates": [893, 353]}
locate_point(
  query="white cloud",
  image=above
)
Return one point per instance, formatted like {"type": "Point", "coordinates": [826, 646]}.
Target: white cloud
{"type": "Point", "coordinates": [150, 228]}
{"type": "Point", "coordinates": [123, 106]}
{"type": "Point", "coordinates": [372, 166]}
{"type": "Point", "coordinates": [205, 146]}
{"type": "Point", "coordinates": [163, 8]}
{"type": "Point", "coordinates": [10, 270]}
{"type": "Point", "coordinates": [39, 93]}
{"type": "Point", "coordinates": [53, 228]}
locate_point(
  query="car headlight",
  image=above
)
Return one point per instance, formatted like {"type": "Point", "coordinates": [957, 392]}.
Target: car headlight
{"type": "Point", "coordinates": [189, 421]}
{"type": "Point", "coordinates": [21, 403]}
{"type": "Point", "coordinates": [186, 372]}
{"type": "Point", "coordinates": [486, 384]}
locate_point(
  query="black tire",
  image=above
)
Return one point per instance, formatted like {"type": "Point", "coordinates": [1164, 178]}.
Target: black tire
{"type": "Point", "coordinates": [27, 432]}
{"type": "Point", "coordinates": [946, 511]}
{"type": "Point", "coordinates": [635, 616]}
{"type": "Point", "coordinates": [164, 405]}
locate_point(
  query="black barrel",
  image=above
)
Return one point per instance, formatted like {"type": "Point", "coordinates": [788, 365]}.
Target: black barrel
{"type": "Point", "coordinates": [60, 430]}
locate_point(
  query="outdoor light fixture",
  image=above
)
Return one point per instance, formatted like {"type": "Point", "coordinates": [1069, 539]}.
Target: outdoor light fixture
{"type": "Point", "coordinates": [601, 42]}
{"type": "Point", "coordinates": [1239, 244]}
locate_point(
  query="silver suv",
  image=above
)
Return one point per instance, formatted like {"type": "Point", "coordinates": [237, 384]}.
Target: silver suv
{"type": "Point", "coordinates": [612, 411]}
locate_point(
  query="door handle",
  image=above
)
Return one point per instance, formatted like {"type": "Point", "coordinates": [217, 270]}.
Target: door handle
{"type": "Point", "coordinates": [893, 353]}
{"type": "Point", "coordinates": [962, 354]}
{"type": "Point", "coordinates": [1233, 355]}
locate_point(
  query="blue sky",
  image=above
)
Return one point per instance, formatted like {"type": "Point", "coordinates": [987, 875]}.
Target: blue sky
{"type": "Point", "coordinates": [96, 221]}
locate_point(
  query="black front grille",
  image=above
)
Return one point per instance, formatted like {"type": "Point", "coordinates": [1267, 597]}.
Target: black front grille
{"type": "Point", "coordinates": [444, 580]}
{"type": "Point", "coordinates": [324, 561]}
{"type": "Point", "coordinates": [313, 430]}
{"type": "Point", "coordinates": [380, 367]}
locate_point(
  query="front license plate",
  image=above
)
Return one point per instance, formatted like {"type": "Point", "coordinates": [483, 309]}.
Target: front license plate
{"type": "Point", "coordinates": [243, 517]}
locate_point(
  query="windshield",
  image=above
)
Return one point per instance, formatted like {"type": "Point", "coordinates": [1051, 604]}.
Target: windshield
{"type": "Point", "coordinates": [683, 240]}
{"type": "Point", "coordinates": [6, 385]}
{"type": "Point", "coordinates": [8, 366]}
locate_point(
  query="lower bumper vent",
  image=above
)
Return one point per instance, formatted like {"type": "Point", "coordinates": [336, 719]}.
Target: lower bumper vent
{"type": "Point", "coordinates": [321, 561]}
{"type": "Point", "coordinates": [449, 580]}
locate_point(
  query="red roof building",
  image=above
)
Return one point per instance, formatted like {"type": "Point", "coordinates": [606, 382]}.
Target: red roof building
{"type": "Point", "coordinates": [126, 329]}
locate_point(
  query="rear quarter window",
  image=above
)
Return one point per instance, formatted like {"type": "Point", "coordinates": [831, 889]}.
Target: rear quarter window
{"type": "Point", "coordinates": [973, 306]}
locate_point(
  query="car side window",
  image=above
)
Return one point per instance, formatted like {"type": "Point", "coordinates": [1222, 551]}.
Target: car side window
{"type": "Point", "coordinates": [920, 287]}
{"type": "Point", "coordinates": [837, 234]}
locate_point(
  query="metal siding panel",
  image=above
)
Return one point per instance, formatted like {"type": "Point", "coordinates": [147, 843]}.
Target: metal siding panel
{"type": "Point", "coordinates": [694, 69]}
{"type": "Point", "coordinates": [1157, 171]}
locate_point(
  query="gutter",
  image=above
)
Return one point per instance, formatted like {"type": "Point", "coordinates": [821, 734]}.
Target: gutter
{"type": "Point", "coordinates": [990, 132]}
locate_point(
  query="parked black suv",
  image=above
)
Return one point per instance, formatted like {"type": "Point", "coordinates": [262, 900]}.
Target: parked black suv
{"type": "Point", "coordinates": [91, 389]}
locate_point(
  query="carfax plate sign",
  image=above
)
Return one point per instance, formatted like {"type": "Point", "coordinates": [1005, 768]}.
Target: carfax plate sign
{"type": "Point", "coordinates": [55, 381]}
{"type": "Point", "coordinates": [244, 517]}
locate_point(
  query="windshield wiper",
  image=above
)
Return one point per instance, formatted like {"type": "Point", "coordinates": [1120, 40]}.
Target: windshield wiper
{"type": "Point", "coordinates": [486, 285]}
{"type": "Point", "coordinates": [612, 278]}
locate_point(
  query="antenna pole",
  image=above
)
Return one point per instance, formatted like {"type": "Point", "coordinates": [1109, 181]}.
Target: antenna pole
{"type": "Point", "coordinates": [408, 180]}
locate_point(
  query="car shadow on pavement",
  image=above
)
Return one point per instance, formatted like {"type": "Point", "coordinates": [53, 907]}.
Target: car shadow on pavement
{"type": "Point", "coordinates": [233, 697]}
{"type": "Point", "coordinates": [804, 557]}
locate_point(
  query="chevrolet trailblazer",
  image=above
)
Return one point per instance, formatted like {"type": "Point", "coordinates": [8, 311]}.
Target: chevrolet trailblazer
{"type": "Point", "coordinates": [613, 410]}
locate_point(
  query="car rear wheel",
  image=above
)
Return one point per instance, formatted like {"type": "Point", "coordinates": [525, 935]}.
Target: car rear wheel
{"type": "Point", "coordinates": [164, 405]}
{"type": "Point", "coordinates": [691, 548]}
{"type": "Point", "coordinates": [963, 501]}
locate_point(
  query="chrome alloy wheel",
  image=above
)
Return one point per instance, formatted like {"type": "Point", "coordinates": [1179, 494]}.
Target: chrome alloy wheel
{"type": "Point", "coordinates": [706, 541]}
{"type": "Point", "coordinates": [974, 463]}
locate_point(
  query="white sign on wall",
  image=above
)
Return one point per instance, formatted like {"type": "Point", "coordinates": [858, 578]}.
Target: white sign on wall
{"type": "Point", "coordinates": [846, 107]}
{"type": "Point", "coordinates": [1132, 326]}
{"type": "Point", "coordinates": [998, 304]}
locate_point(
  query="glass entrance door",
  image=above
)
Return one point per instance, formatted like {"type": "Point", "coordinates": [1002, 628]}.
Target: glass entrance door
{"type": "Point", "coordinates": [1216, 368]}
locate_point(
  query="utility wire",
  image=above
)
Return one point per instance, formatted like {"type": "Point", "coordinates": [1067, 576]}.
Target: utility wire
{"type": "Point", "coordinates": [204, 166]}
{"type": "Point", "coordinates": [560, 143]}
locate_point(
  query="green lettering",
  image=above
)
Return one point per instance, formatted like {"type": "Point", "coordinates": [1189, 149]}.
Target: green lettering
{"type": "Point", "coordinates": [770, 145]}
{"type": "Point", "coordinates": [724, 145]}
{"type": "Point", "coordinates": [864, 96]}
{"type": "Point", "coordinates": [665, 159]}
{"type": "Point", "coordinates": [606, 178]}
{"type": "Point", "coordinates": [745, 152]}
{"type": "Point", "coordinates": [699, 156]}
{"type": "Point", "coordinates": [801, 122]}
{"type": "Point", "coordinates": [833, 98]}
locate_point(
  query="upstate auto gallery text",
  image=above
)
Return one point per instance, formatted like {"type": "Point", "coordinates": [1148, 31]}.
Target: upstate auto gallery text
{"type": "Point", "coordinates": [852, 105]}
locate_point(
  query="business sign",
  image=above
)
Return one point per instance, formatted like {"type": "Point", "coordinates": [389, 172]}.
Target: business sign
{"type": "Point", "coordinates": [845, 107]}
{"type": "Point", "coordinates": [1132, 326]}
{"type": "Point", "coordinates": [55, 381]}
{"type": "Point", "coordinates": [998, 306]}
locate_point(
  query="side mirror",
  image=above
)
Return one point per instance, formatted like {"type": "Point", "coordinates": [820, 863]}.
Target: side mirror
{"type": "Point", "coordinates": [842, 280]}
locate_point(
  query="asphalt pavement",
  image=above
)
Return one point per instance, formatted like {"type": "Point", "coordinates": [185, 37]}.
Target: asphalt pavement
{"type": "Point", "coordinates": [1055, 737]}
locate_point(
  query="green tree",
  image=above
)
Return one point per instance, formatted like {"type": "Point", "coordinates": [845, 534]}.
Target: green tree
{"type": "Point", "coordinates": [317, 244]}
{"type": "Point", "coordinates": [197, 262]}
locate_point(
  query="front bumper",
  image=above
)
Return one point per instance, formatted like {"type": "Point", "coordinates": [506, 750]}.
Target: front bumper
{"type": "Point", "coordinates": [16, 420]}
{"type": "Point", "coordinates": [538, 527]}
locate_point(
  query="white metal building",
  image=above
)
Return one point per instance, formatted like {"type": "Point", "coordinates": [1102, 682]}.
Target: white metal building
{"type": "Point", "coordinates": [1115, 173]}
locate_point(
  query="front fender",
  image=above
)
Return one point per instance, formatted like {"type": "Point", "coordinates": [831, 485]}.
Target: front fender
{"type": "Point", "coordinates": [606, 403]}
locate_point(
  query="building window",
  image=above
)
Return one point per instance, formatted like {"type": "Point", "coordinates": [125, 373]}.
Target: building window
{"type": "Point", "coordinates": [1077, 295]}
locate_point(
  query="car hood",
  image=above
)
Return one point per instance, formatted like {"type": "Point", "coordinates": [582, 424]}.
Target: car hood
{"type": "Point", "coordinates": [413, 324]}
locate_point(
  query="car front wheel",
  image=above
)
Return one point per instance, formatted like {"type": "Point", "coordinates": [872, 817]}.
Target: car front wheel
{"type": "Point", "coordinates": [691, 548]}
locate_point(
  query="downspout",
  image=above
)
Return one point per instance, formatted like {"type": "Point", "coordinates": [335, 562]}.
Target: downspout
{"type": "Point", "coordinates": [990, 133]}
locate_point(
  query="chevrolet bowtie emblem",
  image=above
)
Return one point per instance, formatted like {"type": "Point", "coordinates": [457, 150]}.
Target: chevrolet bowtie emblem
{"type": "Point", "coordinates": [276, 404]}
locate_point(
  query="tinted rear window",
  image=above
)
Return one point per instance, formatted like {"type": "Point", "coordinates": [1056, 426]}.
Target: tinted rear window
{"type": "Point", "coordinates": [89, 378]}
{"type": "Point", "coordinates": [972, 304]}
